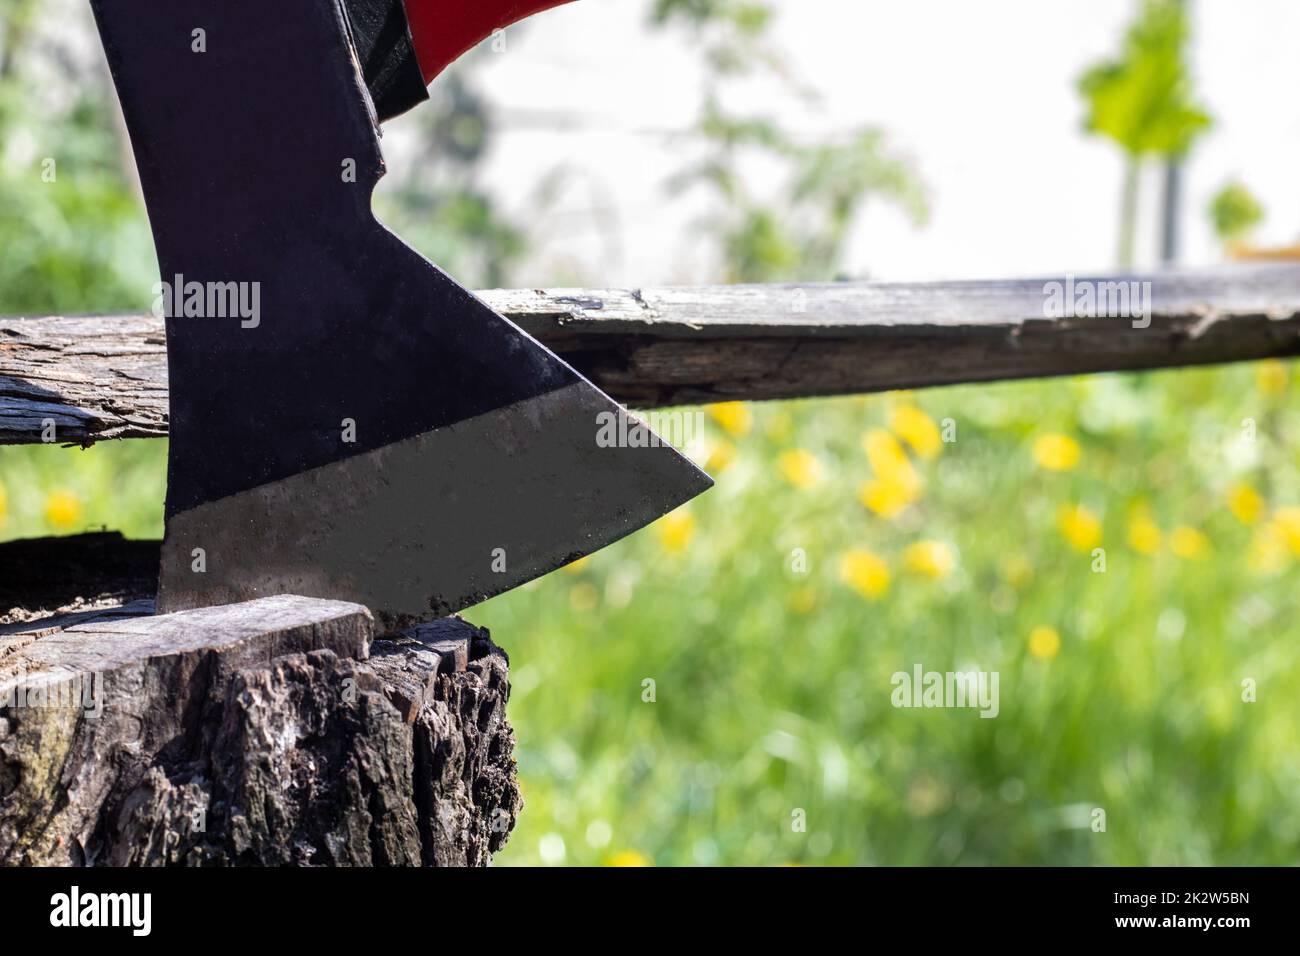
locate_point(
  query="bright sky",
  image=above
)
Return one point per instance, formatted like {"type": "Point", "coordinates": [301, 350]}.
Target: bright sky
{"type": "Point", "coordinates": [980, 94]}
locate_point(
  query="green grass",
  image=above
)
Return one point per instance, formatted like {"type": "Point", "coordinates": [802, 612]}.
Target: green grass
{"type": "Point", "coordinates": [772, 687]}
{"type": "Point", "coordinates": [118, 485]}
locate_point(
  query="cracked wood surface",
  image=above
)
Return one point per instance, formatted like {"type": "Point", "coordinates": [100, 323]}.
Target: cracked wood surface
{"type": "Point", "coordinates": [105, 377]}
{"type": "Point", "coordinates": [275, 732]}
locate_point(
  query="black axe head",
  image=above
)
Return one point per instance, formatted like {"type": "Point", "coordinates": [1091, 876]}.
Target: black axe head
{"type": "Point", "coordinates": [386, 52]}
{"type": "Point", "coordinates": [346, 420]}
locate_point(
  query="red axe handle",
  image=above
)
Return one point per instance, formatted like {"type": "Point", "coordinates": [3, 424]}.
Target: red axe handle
{"type": "Point", "coordinates": [444, 29]}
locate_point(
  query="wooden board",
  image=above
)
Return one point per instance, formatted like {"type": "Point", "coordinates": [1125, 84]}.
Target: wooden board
{"type": "Point", "coordinates": [105, 377]}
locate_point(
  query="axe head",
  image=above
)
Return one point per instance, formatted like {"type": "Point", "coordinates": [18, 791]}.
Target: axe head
{"type": "Point", "coordinates": [346, 420]}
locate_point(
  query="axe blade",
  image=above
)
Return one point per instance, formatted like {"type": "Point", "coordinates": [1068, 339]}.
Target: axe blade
{"type": "Point", "coordinates": [357, 426]}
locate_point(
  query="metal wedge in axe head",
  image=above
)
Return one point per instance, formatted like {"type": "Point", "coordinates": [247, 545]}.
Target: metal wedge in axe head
{"type": "Point", "coordinates": [346, 420]}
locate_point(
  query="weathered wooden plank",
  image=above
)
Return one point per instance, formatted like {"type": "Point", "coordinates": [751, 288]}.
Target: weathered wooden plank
{"type": "Point", "coordinates": [275, 732]}
{"type": "Point", "coordinates": [95, 378]}
{"type": "Point", "coordinates": [105, 377]}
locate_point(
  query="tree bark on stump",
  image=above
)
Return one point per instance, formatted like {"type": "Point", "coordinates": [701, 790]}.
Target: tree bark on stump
{"type": "Point", "coordinates": [274, 732]}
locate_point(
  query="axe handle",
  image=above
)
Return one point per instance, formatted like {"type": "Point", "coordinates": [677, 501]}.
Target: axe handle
{"type": "Point", "coordinates": [444, 29]}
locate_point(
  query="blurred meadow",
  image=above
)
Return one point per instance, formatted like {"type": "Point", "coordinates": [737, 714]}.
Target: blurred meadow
{"type": "Point", "coordinates": [1121, 549]}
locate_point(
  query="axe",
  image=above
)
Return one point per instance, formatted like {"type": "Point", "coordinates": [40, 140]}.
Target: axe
{"type": "Point", "coordinates": [359, 426]}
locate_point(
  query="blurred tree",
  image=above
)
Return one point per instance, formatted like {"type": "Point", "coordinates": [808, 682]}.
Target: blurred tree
{"type": "Point", "coordinates": [73, 234]}
{"type": "Point", "coordinates": [15, 22]}
{"type": "Point", "coordinates": [436, 202]}
{"type": "Point", "coordinates": [1172, 199]}
{"type": "Point", "coordinates": [1235, 211]}
{"type": "Point", "coordinates": [802, 233]}
{"type": "Point", "coordinates": [1143, 101]}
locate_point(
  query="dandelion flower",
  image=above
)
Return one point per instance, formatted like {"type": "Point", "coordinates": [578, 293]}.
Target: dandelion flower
{"type": "Point", "coordinates": [577, 567]}
{"type": "Point", "coordinates": [1044, 642]}
{"type": "Point", "coordinates": [1245, 503]}
{"type": "Point", "coordinates": [934, 559]}
{"type": "Point", "coordinates": [734, 417]}
{"type": "Point", "coordinates": [1081, 527]}
{"type": "Point", "coordinates": [675, 530]}
{"type": "Point", "coordinates": [629, 858]}
{"type": "Point", "coordinates": [889, 461]}
{"type": "Point", "coordinates": [801, 468]}
{"type": "Point", "coordinates": [1188, 543]}
{"type": "Point", "coordinates": [802, 600]}
{"type": "Point", "coordinates": [1286, 524]}
{"type": "Point", "coordinates": [780, 427]}
{"type": "Point", "coordinates": [1017, 570]}
{"type": "Point", "coordinates": [1056, 452]}
{"type": "Point", "coordinates": [63, 510]}
{"type": "Point", "coordinates": [1271, 377]}
{"type": "Point", "coordinates": [885, 498]}
{"type": "Point", "coordinates": [1143, 534]}
{"type": "Point", "coordinates": [721, 457]}
{"type": "Point", "coordinates": [865, 572]}
{"type": "Point", "coordinates": [917, 429]}
{"type": "Point", "coordinates": [1268, 552]}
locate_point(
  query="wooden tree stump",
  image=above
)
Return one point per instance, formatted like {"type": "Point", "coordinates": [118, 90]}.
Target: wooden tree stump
{"type": "Point", "coordinates": [278, 731]}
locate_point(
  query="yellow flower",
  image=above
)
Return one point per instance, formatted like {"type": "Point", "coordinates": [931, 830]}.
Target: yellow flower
{"type": "Point", "coordinates": [583, 596]}
{"type": "Point", "coordinates": [801, 468]}
{"type": "Point", "coordinates": [1268, 552]}
{"type": "Point", "coordinates": [889, 461]}
{"type": "Point", "coordinates": [734, 417]}
{"type": "Point", "coordinates": [1081, 527]}
{"type": "Point", "coordinates": [1143, 533]}
{"type": "Point", "coordinates": [896, 484]}
{"type": "Point", "coordinates": [934, 559]}
{"type": "Point", "coordinates": [780, 427]}
{"type": "Point", "coordinates": [865, 573]}
{"type": "Point", "coordinates": [1271, 376]}
{"type": "Point", "coordinates": [577, 567]}
{"type": "Point", "coordinates": [802, 600]}
{"type": "Point", "coordinates": [720, 457]}
{"type": "Point", "coordinates": [1275, 542]}
{"type": "Point", "coordinates": [1286, 524]}
{"type": "Point", "coordinates": [1245, 503]}
{"type": "Point", "coordinates": [1187, 542]}
{"type": "Point", "coordinates": [675, 530]}
{"type": "Point", "coordinates": [1017, 570]}
{"type": "Point", "coordinates": [1044, 642]}
{"type": "Point", "coordinates": [885, 498]}
{"type": "Point", "coordinates": [4, 504]}
{"type": "Point", "coordinates": [1056, 452]}
{"type": "Point", "coordinates": [62, 509]}
{"type": "Point", "coordinates": [917, 429]}
{"type": "Point", "coordinates": [629, 858]}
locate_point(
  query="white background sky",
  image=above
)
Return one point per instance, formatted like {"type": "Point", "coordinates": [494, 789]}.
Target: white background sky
{"type": "Point", "coordinates": [980, 94]}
